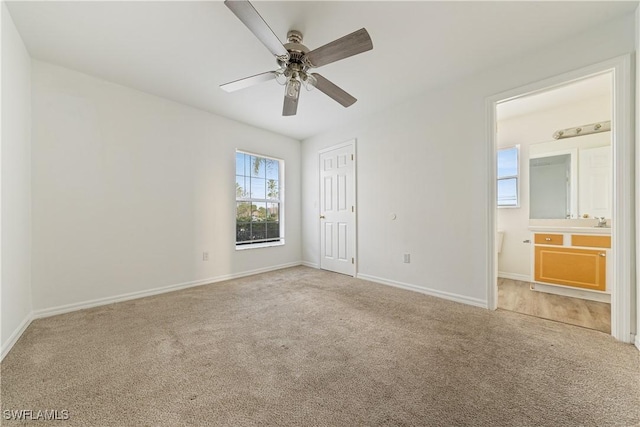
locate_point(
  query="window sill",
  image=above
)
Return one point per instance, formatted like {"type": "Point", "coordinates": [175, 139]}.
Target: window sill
{"type": "Point", "coordinates": [259, 245]}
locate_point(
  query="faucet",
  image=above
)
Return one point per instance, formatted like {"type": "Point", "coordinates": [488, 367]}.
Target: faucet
{"type": "Point", "coordinates": [602, 221]}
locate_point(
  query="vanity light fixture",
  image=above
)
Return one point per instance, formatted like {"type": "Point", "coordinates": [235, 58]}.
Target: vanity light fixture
{"type": "Point", "coordinates": [583, 130]}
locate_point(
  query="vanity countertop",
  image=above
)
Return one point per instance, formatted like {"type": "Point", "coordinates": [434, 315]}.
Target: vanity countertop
{"type": "Point", "coordinates": [573, 230]}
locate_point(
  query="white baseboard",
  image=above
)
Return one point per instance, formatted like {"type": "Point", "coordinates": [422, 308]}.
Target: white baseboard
{"type": "Point", "coordinates": [15, 336]}
{"type": "Point", "coordinates": [514, 276]}
{"type": "Point", "coordinates": [433, 292]}
{"type": "Point", "coordinates": [637, 341]}
{"type": "Point", "coordinates": [53, 311]}
{"type": "Point", "coordinates": [310, 264]}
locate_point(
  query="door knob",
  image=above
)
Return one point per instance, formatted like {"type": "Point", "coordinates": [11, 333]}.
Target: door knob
{"type": "Point", "coordinates": [321, 216]}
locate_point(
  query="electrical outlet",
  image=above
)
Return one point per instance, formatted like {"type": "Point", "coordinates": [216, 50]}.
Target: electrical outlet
{"type": "Point", "coordinates": [205, 256]}
{"type": "Point", "coordinates": [407, 258]}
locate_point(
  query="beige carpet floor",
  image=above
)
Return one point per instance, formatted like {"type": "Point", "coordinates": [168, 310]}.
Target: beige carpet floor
{"type": "Point", "coordinates": [306, 347]}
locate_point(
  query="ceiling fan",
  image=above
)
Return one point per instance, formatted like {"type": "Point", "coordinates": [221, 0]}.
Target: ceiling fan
{"type": "Point", "coordinates": [295, 59]}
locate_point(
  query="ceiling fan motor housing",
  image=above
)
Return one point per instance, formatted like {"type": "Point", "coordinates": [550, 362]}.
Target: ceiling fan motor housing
{"type": "Point", "coordinates": [296, 51]}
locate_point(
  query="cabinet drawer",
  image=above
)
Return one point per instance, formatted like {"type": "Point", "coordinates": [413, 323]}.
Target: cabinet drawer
{"type": "Point", "coordinates": [591, 241]}
{"type": "Point", "coordinates": [580, 268]}
{"type": "Point", "coordinates": [548, 239]}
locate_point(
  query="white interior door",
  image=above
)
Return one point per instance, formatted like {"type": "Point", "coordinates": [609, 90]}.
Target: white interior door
{"type": "Point", "coordinates": [337, 209]}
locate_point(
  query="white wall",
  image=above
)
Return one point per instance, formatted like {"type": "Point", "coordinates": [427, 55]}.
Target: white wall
{"type": "Point", "coordinates": [533, 128]}
{"type": "Point", "coordinates": [426, 161]}
{"type": "Point", "coordinates": [16, 184]}
{"type": "Point", "coordinates": [129, 189]}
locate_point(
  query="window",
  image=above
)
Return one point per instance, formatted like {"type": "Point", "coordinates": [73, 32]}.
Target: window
{"type": "Point", "coordinates": [508, 171]}
{"type": "Point", "coordinates": [258, 200]}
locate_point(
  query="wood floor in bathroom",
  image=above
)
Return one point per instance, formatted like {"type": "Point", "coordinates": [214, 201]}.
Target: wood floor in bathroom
{"type": "Point", "coordinates": [514, 295]}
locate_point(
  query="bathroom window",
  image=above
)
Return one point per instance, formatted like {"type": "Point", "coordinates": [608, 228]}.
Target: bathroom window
{"type": "Point", "coordinates": [259, 201]}
{"type": "Point", "coordinates": [508, 176]}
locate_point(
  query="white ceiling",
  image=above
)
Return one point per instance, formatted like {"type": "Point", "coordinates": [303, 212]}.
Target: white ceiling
{"type": "Point", "coordinates": [184, 50]}
{"type": "Point", "coordinates": [579, 91]}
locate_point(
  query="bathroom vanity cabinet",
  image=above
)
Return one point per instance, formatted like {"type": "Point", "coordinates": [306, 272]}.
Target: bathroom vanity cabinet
{"type": "Point", "coordinates": [573, 259]}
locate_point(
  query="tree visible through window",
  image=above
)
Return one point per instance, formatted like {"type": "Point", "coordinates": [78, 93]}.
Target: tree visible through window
{"type": "Point", "coordinates": [508, 172]}
{"type": "Point", "coordinates": [258, 199]}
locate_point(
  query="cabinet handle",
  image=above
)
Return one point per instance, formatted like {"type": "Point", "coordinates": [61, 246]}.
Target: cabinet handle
{"type": "Point", "coordinates": [602, 254]}
{"type": "Point", "coordinates": [548, 239]}
{"type": "Point", "coordinates": [321, 216]}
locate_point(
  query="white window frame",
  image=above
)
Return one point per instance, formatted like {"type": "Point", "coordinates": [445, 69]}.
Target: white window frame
{"type": "Point", "coordinates": [240, 246]}
{"type": "Point", "coordinates": [516, 177]}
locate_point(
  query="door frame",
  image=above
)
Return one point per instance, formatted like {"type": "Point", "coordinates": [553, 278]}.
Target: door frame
{"type": "Point", "coordinates": [622, 231]}
{"type": "Point", "coordinates": [354, 236]}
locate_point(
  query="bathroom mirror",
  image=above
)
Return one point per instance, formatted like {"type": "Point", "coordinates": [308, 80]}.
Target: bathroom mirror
{"type": "Point", "coordinates": [571, 178]}
{"type": "Point", "coordinates": [551, 185]}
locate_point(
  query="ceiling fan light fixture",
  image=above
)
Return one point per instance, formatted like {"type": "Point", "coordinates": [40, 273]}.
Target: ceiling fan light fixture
{"type": "Point", "coordinates": [282, 76]}
{"type": "Point", "coordinates": [293, 88]}
{"type": "Point", "coordinates": [309, 81]}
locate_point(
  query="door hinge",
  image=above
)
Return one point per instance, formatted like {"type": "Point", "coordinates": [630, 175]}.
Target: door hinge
{"type": "Point", "coordinates": [352, 157]}
{"type": "Point", "coordinates": [353, 261]}
{"type": "Point", "coordinates": [352, 209]}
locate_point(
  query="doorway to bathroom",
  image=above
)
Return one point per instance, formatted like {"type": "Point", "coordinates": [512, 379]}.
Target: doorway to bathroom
{"type": "Point", "coordinates": [562, 239]}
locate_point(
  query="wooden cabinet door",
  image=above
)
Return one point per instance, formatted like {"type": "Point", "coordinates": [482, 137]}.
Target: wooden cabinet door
{"type": "Point", "coordinates": [580, 268]}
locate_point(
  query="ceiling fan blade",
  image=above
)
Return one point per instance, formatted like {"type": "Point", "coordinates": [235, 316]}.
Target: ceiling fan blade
{"type": "Point", "coordinates": [344, 47]}
{"type": "Point", "coordinates": [333, 91]}
{"type": "Point", "coordinates": [290, 106]}
{"type": "Point", "coordinates": [248, 81]}
{"type": "Point", "coordinates": [250, 17]}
